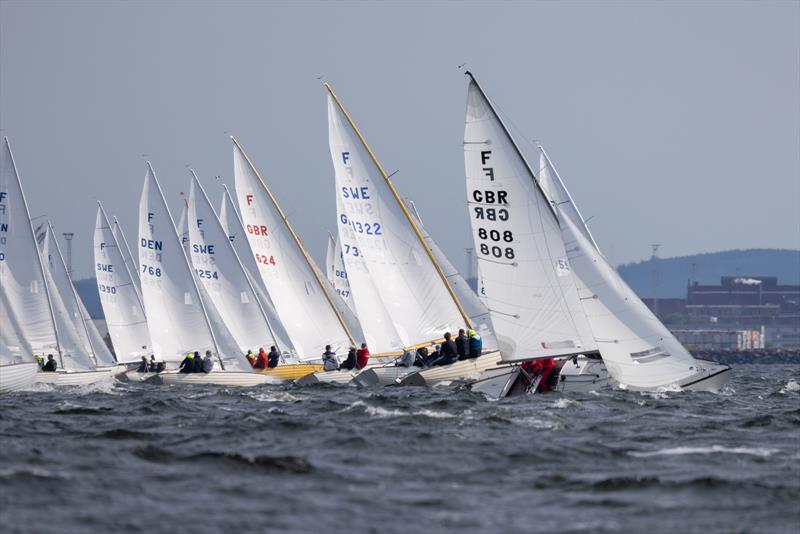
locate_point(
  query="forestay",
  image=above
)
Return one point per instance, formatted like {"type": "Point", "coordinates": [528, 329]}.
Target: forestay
{"type": "Point", "coordinates": [525, 276]}
{"type": "Point", "coordinates": [636, 347]}
{"type": "Point", "coordinates": [337, 271]}
{"type": "Point", "coordinates": [232, 225]}
{"type": "Point", "coordinates": [220, 272]}
{"type": "Point", "coordinates": [414, 295]}
{"type": "Point", "coordinates": [122, 305]}
{"type": "Point", "coordinates": [21, 273]}
{"type": "Point", "coordinates": [294, 285]}
{"type": "Point", "coordinates": [91, 341]}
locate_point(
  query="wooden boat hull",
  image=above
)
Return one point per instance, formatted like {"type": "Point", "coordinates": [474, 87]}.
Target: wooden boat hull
{"type": "Point", "coordinates": [17, 376]}
{"type": "Point", "coordinates": [327, 377]}
{"type": "Point", "coordinates": [382, 376]}
{"type": "Point", "coordinates": [74, 378]}
{"type": "Point", "coordinates": [455, 371]}
{"type": "Point", "coordinates": [217, 378]}
{"type": "Point", "coordinates": [291, 371]}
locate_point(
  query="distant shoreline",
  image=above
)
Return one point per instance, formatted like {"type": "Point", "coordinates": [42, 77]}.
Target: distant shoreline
{"type": "Point", "coordinates": [766, 356]}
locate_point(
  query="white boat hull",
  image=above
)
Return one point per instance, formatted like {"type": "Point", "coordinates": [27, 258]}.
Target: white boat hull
{"type": "Point", "coordinates": [382, 376]}
{"type": "Point", "coordinates": [73, 378]}
{"type": "Point", "coordinates": [327, 377]}
{"type": "Point", "coordinates": [459, 370]}
{"type": "Point", "coordinates": [114, 370]}
{"type": "Point", "coordinates": [582, 375]}
{"type": "Point", "coordinates": [136, 376]}
{"type": "Point", "coordinates": [713, 377]}
{"type": "Point", "coordinates": [217, 378]}
{"type": "Point", "coordinates": [495, 383]}
{"type": "Point", "coordinates": [17, 376]}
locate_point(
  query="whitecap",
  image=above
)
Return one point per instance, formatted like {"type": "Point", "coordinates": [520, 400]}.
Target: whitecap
{"type": "Point", "coordinates": [564, 403]}
{"type": "Point", "coordinates": [713, 449]}
{"type": "Point", "coordinates": [791, 385]}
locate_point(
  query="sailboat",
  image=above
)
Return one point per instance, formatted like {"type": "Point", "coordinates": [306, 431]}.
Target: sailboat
{"type": "Point", "coordinates": [220, 271]}
{"type": "Point", "coordinates": [181, 318]}
{"type": "Point", "coordinates": [304, 300]}
{"type": "Point", "coordinates": [639, 352]}
{"type": "Point", "coordinates": [35, 319]}
{"type": "Point", "coordinates": [25, 315]}
{"type": "Point", "coordinates": [91, 341]}
{"type": "Point", "coordinates": [400, 292]}
{"type": "Point", "coordinates": [524, 275]}
{"type": "Point", "coordinates": [119, 295]}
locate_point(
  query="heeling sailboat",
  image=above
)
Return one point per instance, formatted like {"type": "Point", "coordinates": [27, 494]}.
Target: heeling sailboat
{"type": "Point", "coordinates": [638, 350]}
{"type": "Point", "coordinates": [410, 283]}
{"type": "Point", "coordinates": [121, 301]}
{"type": "Point", "coordinates": [232, 224]}
{"type": "Point", "coordinates": [525, 276]}
{"type": "Point", "coordinates": [26, 319]}
{"type": "Point", "coordinates": [179, 318]}
{"type": "Point", "coordinates": [130, 262]}
{"type": "Point", "coordinates": [303, 300]}
{"type": "Point", "coordinates": [218, 267]}
{"type": "Point", "coordinates": [92, 343]}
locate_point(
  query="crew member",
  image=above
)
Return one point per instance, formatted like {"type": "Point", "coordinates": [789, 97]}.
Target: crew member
{"type": "Point", "coordinates": [262, 362]}
{"type": "Point", "coordinates": [462, 345]}
{"type": "Point", "coordinates": [475, 344]}
{"type": "Point", "coordinates": [362, 356]}
{"type": "Point", "coordinates": [350, 363]}
{"type": "Point", "coordinates": [273, 357]}
{"type": "Point", "coordinates": [51, 365]}
{"type": "Point", "coordinates": [329, 362]}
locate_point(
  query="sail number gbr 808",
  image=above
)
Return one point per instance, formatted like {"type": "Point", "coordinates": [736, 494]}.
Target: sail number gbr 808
{"type": "Point", "coordinates": [494, 241]}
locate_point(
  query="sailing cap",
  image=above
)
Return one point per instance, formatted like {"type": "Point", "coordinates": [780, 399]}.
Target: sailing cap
{"type": "Point", "coordinates": [471, 333]}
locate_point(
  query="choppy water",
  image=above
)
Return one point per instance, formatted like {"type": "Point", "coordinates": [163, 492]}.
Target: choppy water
{"type": "Point", "coordinates": [140, 458]}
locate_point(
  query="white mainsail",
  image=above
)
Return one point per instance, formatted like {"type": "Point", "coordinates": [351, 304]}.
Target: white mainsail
{"type": "Point", "coordinates": [525, 275]}
{"type": "Point", "coordinates": [232, 225]}
{"type": "Point", "coordinates": [29, 322]}
{"type": "Point", "coordinates": [302, 299]}
{"type": "Point", "coordinates": [337, 271]}
{"type": "Point", "coordinates": [175, 316]}
{"type": "Point", "coordinates": [384, 242]}
{"type": "Point", "coordinates": [121, 301]}
{"type": "Point", "coordinates": [219, 270]}
{"type": "Point", "coordinates": [130, 262]}
{"type": "Point", "coordinates": [91, 341]}
{"type": "Point", "coordinates": [636, 347]}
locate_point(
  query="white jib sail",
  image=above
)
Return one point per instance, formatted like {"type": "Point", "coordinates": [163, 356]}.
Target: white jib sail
{"type": "Point", "coordinates": [175, 316]}
{"type": "Point", "coordinates": [221, 273]}
{"type": "Point", "coordinates": [636, 347]}
{"type": "Point", "coordinates": [299, 295]}
{"type": "Point", "coordinates": [122, 305]}
{"type": "Point", "coordinates": [130, 262]}
{"type": "Point", "coordinates": [379, 329]}
{"type": "Point", "coordinates": [21, 272]}
{"type": "Point", "coordinates": [476, 310]}
{"type": "Point", "coordinates": [337, 271]}
{"type": "Point", "coordinates": [525, 275]}
{"type": "Point", "coordinates": [414, 295]}
{"type": "Point", "coordinates": [76, 351]}
{"type": "Point", "coordinates": [233, 227]}
{"type": "Point", "coordinates": [93, 343]}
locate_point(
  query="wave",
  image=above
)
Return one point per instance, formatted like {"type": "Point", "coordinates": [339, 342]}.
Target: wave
{"type": "Point", "coordinates": [713, 449]}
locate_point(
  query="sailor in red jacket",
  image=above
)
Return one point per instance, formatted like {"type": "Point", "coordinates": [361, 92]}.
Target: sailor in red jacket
{"type": "Point", "coordinates": [362, 356]}
{"type": "Point", "coordinates": [263, 360]}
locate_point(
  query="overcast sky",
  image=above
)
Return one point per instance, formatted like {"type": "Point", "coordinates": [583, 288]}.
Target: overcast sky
{"type": "Point", "coordinates": [674, 122]}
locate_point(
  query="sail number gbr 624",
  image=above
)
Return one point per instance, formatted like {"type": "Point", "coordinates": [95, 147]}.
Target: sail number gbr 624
{"type": "Point", "coordinates": [495, 241]}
